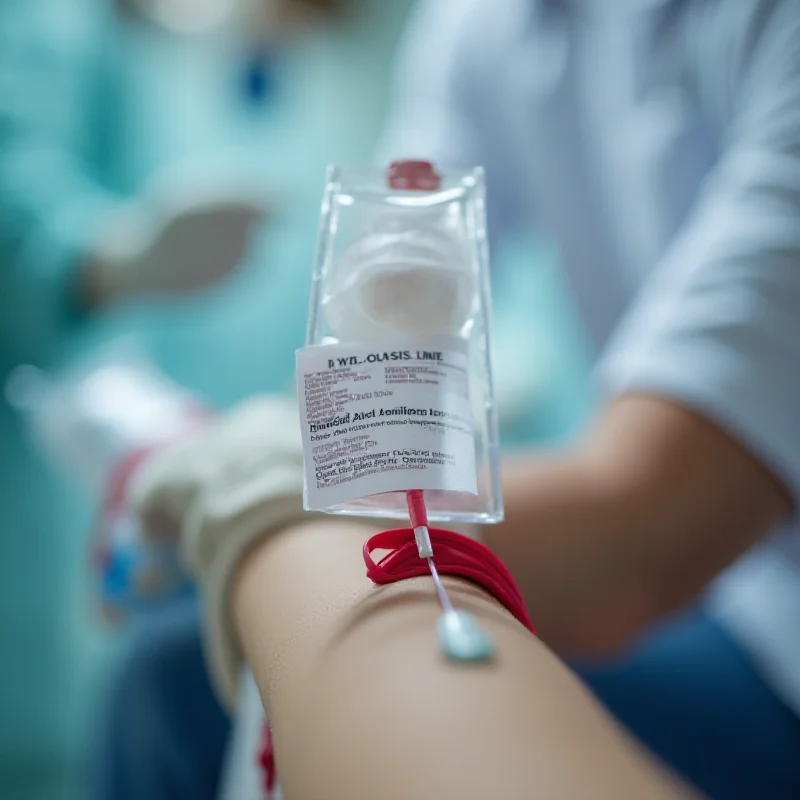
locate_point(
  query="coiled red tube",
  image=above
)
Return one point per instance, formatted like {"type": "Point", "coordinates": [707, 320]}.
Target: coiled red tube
{"type": "Point", "coordinates": [455, 555]}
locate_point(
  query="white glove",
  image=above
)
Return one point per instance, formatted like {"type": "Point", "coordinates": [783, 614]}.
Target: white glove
{"type": "Point", "coordinates": [187, 230]}
{"type": "Point", "coordinates": [223, 489]}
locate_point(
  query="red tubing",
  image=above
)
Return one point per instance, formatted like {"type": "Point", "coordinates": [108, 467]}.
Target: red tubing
{"type": "Point", "coordinates": [266, 760]}
{"type": "Point", "coordinates": [416, 508]}
{"type": "Point", "coordinates": [455, 554]}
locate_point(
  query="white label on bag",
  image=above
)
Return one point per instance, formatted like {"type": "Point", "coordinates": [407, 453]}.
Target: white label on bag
{"type": "Point", "coordinates": [385, 417]}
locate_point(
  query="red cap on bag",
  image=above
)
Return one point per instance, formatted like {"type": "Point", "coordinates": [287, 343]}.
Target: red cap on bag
{"type": "Point", "coordinates": [413, 175]}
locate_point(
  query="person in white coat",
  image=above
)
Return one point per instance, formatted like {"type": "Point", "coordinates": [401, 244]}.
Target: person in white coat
{"type": "Point", "coordinates": [658, 142]}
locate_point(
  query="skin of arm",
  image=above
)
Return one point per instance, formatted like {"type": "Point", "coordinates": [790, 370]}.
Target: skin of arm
{"type": "Point", "coordinates": [362, 704]}
{"type": "Point", "coordinates": [633, 524]}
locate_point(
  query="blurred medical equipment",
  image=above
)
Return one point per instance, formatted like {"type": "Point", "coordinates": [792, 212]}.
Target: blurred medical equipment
{"type": "Point", "coordinates": [192, 17]}
{"type": "Point", "coordinates": [98, 422]}
{"type": "Point", "coordinates": [188, 228]}
{"type": "Point", "coordinates": [183, 16]}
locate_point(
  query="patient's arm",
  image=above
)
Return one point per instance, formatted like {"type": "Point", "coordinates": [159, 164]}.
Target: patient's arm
{"type": "Point", "coordinates": [362, 705]}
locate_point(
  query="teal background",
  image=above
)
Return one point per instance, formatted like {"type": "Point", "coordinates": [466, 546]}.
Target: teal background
{"type": "Point", "coordinates": [142, 99]}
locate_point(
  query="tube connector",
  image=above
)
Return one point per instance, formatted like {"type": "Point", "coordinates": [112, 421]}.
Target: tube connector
{"type": "Point", "coordinates": [423, 540]}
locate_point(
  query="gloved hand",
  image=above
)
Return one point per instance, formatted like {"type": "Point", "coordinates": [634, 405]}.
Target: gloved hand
{"type": "Point", "coordinates": [188, 229]}
{"type": "Point", "coordinates": [220, 490]}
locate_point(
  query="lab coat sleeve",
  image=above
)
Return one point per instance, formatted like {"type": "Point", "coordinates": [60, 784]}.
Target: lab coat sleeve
{"type": "Point", "coordinates": [438, 106]}
{"type": "Point", "coordinates": [429, 116]}
{"type": "Point", "coordinates": [717, 327]}
{"type": "Point", "coordinates": [50, 205]}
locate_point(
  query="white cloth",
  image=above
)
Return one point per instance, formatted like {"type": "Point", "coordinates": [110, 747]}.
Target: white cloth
{"type": "Point", "coordinates": [659, 142]}
{"type": "Point", "coordinates": [224, 488]}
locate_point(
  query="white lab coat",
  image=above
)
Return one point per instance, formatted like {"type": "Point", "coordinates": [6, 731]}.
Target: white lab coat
{"type": "Point", "coordinates": [658, 141]}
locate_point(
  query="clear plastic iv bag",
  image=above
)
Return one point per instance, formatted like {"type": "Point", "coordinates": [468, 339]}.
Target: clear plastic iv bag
{"type": "Point", "coordinates": [395, 383]}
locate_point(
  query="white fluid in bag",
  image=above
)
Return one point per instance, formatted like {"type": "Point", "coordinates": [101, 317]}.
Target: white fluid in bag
{"type": "Point", "coordinates": [401, 275]}
{"type": "Point", "coordinates": [400, 279]}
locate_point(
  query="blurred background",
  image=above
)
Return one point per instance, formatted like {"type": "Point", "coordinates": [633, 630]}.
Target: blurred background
{"type": "Point", "coordinates": [134, 136]}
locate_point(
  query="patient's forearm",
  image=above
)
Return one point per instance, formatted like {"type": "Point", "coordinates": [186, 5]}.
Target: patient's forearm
{"type": "Point", "coordinates": [363, 705]}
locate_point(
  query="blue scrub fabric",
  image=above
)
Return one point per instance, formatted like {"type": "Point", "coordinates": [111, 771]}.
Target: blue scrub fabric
{"type": "Point", "coordinates": [693, 696]}
{"type": "Point", "coordinates": [164, 734]}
